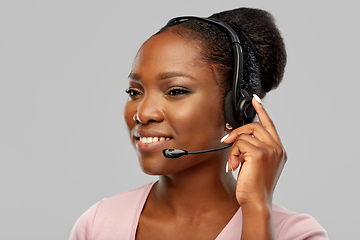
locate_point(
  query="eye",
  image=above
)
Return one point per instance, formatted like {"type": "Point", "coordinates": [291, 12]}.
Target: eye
{"type": "Point", "coordinates": [178, 91]}
{"type": "Point", "coordinates": [133, 94]}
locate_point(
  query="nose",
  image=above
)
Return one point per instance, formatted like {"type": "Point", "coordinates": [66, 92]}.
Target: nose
{"type": "Point", "coordinates": [149, 110]}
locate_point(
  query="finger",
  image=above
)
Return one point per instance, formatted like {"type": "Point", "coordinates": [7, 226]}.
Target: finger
{"type": "Point", "coordinates": [253, 129]}
{"type": "Point", "coordinates": [264, 118]}
{"type": "Point", "coordinates": [247, 144]}
{"type": "Point", "coordinates": [251, 139]}
{"type": "Point", "coordinates": [238, 153]}
{"type": "Point", "coordinates": [246, 148]}
{"type": "Point", "coordinates": [265, 131]}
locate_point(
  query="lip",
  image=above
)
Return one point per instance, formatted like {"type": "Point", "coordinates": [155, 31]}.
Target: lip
{"type": "Point", "coordinates": [148, 147]}
{"type": "Point", "coordinates": [150, 133]}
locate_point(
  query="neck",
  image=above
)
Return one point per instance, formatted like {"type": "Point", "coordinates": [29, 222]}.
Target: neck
{"type": "Point", "coordinates": [202, 188]}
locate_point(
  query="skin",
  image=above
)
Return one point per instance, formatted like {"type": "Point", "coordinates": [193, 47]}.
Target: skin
{"type": "Point", "coordinates": [173, 94]}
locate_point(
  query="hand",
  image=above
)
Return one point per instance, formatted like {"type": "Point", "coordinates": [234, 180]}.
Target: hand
{"type": "Point", "coordinates": [257, 147]}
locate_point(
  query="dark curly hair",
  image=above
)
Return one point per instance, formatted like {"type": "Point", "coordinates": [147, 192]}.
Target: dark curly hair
{"type": "Point", "coordinates": [263, 47]}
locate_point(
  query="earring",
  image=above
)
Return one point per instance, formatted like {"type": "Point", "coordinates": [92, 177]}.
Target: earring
{"type": "Point", "coordinates": [228, 126]}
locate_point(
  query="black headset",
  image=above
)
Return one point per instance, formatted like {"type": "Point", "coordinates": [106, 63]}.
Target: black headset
{"type": "Point", "coordinates": [238, 108]}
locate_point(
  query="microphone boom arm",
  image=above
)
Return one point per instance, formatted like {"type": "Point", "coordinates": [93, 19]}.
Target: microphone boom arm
{"type": "Point", "coordinates": [175, 153]}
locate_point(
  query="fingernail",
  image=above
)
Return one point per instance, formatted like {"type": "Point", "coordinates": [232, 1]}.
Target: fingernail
{"type": "Point", "coordinates": [225, 137]}
{"type": "Point", "coordinates": [232, 169]}
{"type": "Point", "coordinates": [257, 98]}
{"type": "Point", "coordinates": [227, 167]}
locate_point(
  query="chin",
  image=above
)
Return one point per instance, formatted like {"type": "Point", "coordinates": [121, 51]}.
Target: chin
{"type": "Point", "coordinates": [154, 166]}
{"type": "Point", "coordinates": [154, 171]}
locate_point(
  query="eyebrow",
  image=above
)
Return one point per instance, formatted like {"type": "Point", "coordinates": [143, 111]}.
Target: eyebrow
{"type": "Point", "coordinates": [162, 76]}
{"type": "Point", "coordinates": [134, 76]}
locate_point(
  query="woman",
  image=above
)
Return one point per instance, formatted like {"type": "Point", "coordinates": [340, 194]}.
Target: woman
{"type": "Point", "coordinates": [177, 86]}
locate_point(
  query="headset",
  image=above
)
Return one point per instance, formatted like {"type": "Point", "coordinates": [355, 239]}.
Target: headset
{"type": "Point", "coordinates": [238, 108]}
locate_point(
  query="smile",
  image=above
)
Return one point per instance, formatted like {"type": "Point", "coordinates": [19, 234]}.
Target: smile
{"type": "Point", "coordinates": [150, 144]}
{"type": "Point", "coordinates": [153, 139]}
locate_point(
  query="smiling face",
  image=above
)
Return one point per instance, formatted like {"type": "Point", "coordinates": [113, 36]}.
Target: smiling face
{"type": "Point", "coordinates": [174, 102]}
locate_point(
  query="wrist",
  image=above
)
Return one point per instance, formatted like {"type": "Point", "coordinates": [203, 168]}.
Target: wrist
{"type": "Point", "coordinates": [261, 208]}
{"type": "Point", "coordinates": [257, 221]}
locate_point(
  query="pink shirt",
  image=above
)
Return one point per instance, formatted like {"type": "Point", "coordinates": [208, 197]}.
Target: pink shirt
{"type": "Point", "coordinates": [117, 217]}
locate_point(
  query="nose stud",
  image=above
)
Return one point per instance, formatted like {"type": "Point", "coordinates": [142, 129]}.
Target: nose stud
{"type": "Point", "coordinates": [136, 118]}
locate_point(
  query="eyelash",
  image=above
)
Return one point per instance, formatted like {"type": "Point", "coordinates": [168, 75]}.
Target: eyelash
{"type": "Point", "coordinates": [177, 91]}
{"type": "Point", "coordinates": [173, 92]}
{"type": "Point", "coordinates": [132, 92]}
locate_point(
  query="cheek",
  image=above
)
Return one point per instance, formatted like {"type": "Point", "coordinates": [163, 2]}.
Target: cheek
{"type": "Point", "coordinates": [129, 112]}
{"type": "Point", "coordinates": [201, 117]}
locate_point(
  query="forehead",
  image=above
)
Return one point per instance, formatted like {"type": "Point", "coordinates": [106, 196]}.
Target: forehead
{"type": "Point", "coordinates": [169, 51]}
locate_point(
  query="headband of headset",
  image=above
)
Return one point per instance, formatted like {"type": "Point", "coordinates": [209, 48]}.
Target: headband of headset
{"type": "Point", "coordinates": [238, 108]}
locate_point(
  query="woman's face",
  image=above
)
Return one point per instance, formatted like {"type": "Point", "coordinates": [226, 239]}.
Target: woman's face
{"type": "Point", "coordinates": [174, 102]}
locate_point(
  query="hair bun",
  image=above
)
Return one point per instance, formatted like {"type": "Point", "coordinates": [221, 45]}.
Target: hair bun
{"type": "Point", "coordinates": [260, 28]}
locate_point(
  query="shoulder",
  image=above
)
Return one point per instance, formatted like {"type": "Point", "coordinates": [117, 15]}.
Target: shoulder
{"type": "Point", "coordinates": [116, 211]}
{"type": "Point", "coordinates": [123, 203]}
{"type": "Point", "coordinates": [291, 225]}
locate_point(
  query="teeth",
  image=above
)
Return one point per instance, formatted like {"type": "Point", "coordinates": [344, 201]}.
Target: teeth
{"type": "Point", "coordinates": [153, 139]}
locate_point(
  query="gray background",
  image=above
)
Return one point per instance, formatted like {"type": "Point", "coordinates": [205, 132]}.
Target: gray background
{"type": "Point", "coordinates": [63, 142]}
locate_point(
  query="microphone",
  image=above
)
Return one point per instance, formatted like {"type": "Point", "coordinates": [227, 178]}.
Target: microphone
{"type": "Point", "coordinates": [175, 153]}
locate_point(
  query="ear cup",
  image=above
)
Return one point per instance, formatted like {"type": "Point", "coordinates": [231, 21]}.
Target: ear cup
{"type": "Point", "coordinates": [230, 115]}
{"type": "Point", "coordinates": [244, 112]}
